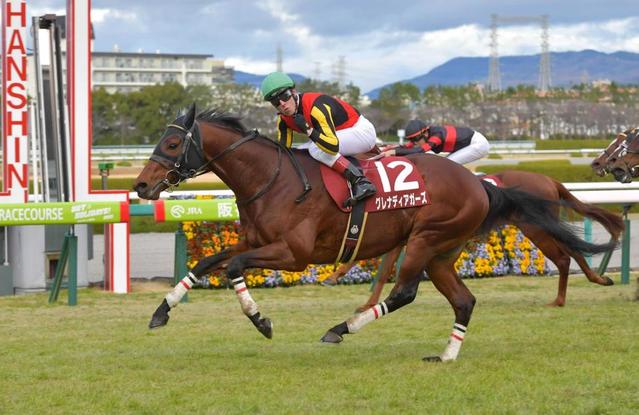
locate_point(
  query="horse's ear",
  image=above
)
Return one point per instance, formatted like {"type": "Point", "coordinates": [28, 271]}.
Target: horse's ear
{"type": "Point", "coordinates": [189, 118]}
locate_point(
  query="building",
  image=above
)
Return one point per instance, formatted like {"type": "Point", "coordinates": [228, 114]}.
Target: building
{"type": "Point", "coordinates": [126, 72]}
{"type": "Point", "coordinates": [118, 71]}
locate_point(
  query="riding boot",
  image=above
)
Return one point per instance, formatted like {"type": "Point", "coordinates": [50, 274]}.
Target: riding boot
{"type": "Point", "coordinates": [360, 185]}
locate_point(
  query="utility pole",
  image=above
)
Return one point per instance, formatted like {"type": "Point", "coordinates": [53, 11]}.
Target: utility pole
{"type": "Point", "coordinates": [544, 60]}
{"type": "Point", "coordinates": [494, 76]}
{"type": "Point", "coordinates": [278, 58]}
{"type": "Point", "coordinates": [340, 72]}
{"type": "Point", "coordinates": [318, 71]}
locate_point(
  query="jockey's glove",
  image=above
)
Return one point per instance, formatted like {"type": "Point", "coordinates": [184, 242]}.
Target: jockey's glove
{"type": "Point", "coordinates": [301, 123]}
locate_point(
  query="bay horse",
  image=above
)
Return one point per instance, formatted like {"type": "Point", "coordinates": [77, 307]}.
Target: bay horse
{"type": "Point", "coordinates": [600, 164]}
{"type": "Point", "coordinates": [623, 163]}
{"type": "Point", "coordinates": [287, 226]}
{"type": "Point", "coordinates": [545, 187]}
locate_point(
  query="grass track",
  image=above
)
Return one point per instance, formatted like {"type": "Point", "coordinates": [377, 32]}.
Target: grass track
{"type": "Point", "coordinates": [519, 356]}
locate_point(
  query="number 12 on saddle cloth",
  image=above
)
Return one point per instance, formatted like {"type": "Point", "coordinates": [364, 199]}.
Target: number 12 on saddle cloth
{"type": "Point", "coordinates": [399, 184]}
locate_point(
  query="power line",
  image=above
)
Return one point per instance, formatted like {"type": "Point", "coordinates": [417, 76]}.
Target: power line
{"type": "Point", "coordinates": [494, 73]}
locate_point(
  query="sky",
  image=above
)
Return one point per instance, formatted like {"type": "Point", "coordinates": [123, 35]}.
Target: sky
{"type": "Point", "coordinates": [379, 41]}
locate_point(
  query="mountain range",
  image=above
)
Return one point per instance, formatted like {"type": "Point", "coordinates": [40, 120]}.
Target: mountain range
{"type": "Point", "coordinates": [567, 68]}
{"type": "Point", "coordinates": [256, 80]}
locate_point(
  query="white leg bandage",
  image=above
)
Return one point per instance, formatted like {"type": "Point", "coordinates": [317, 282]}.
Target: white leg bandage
{"type": "Point", "coordinates": [173, 298]}
{"type": "Point", "coordinates": [358, 321]}
{"type": "Point", "coordinates": [249, 306]}
{"type": "Point", "coordinates": [454, 343]}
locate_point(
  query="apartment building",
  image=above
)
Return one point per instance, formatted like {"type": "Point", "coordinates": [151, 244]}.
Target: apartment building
{"type": "Point", "coordinates": [125, 72]}
{"type": "Point", "coordinates": [118, 71]}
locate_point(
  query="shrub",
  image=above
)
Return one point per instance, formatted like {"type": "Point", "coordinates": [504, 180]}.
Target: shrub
{"type": "Point", "coordinates": [503, 251]}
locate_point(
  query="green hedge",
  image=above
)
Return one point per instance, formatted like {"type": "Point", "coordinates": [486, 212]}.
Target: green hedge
{"type": "Point", "coordinates": [560, 170]}
{"type": "Point", "coordinates": [572, 144]}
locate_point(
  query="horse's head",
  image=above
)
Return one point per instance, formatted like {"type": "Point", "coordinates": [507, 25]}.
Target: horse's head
{"type": "Point", "coordinates": [177, 156]}
{"type": "Point", "coordinates": [624, 161]}
{"type": "Point", "coordinates": [600, 164]}
{"type": "Point", "coordinates": [191, 146]}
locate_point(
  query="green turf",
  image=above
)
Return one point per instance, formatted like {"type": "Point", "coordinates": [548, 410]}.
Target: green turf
{"type": "Point", "coordinates": [519, 357]}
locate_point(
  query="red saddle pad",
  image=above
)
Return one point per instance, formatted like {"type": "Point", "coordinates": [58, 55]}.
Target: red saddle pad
{"type": "Point", "coordinates": [399, 184]}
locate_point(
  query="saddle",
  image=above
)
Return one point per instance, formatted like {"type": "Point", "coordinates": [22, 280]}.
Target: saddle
{"type": "Point", "coordinates": [399, 184]}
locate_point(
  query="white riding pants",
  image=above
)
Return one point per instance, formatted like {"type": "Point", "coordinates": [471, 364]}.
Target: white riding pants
{"type": "Point", "coordinates": [477, 149]}
{"type": "Point", "coordinates": [359, 138]}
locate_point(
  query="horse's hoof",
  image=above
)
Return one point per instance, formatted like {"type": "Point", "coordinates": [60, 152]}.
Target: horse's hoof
{"type": "Point", "coordinates": [266, 327]}
{"type": "Point", "coordinates": [158, 320]}
{"type": "Point", "coordinates": [160, 316]}
{"type": "Point", "coordinates": [433, 359]}
{"type": "Point", "coordinates": [331, 337]}
{"type": "Point", "coordinates": [608, 281]}
{"type": "Point", "coordinates": [329, 282]}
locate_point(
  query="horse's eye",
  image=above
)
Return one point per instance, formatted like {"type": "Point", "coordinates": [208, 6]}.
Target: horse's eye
{"type": "Point", "coordinates": [173, 146]}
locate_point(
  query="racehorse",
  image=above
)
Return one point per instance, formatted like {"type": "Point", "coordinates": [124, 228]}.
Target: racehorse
{"type": "Point", "coordinates": [285, 226]}
{"type": "Point", "coordinates": [542, 186]}
{"type": "Point", "coordinates": [623, 163]}
{"type": "Point", "coordinates": [600, 163]}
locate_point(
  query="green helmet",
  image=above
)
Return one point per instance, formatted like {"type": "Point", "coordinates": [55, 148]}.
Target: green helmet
{"type": "Point", "coordinates": [274, 83]}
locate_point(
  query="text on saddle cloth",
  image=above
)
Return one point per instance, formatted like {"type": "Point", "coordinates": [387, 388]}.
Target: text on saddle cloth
{"type": "Point", "coordinates": [399, 184]}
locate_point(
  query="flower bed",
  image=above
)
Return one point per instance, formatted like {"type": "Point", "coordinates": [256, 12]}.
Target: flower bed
{"type": "Point", "coordinates": [505, 251]}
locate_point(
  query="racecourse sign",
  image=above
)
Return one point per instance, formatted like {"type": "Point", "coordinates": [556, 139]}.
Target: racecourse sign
{"type": "Point", "coordinates": [196, 210]}
{"type": "Point", "coordinates": [63, 212]}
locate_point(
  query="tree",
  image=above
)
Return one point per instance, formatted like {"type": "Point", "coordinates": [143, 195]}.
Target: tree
{"type": "Point", "coordinates": [392, 109]}
{"type": "Point", "coordinates": [350, 93]}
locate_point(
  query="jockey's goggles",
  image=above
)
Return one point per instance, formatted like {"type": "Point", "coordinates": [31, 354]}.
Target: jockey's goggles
{"type": "Point", "coordinates": [281, 97]}
{"type": "Point", "coordinates": [417, 135]}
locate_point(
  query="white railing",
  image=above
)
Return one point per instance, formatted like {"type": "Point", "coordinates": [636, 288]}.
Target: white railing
{"type": "Point", "coordinates": [142, 152]}
{"type": "Point", "coordinates": [598, 192]}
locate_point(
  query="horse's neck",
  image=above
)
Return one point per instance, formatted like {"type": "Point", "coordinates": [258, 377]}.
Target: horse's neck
{"type": "Point", "coordinates": [248, 168]}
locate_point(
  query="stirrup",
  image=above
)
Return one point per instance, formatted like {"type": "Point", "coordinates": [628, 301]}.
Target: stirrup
{"type": "Point", "coordinates": [351, 201]}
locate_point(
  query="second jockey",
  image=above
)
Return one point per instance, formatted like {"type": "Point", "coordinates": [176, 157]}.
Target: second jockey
{"type": "Point", "coordinates": [464, 145]}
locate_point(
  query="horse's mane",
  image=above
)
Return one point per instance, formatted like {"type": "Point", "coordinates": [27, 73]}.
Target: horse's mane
{"type": "Point", "coordinates": [217, 116]}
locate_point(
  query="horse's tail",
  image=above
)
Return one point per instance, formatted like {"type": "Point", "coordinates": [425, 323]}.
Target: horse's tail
{"type": "Point", "coordinates": [508, 204]}
{"type": "Point", "coordinates": [611, 221]}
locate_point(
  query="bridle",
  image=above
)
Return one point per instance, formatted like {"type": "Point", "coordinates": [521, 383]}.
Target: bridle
{"type": "Point", "coordinates": [193, 162]}
{"type": "Point", "coordinates": [624, 150]}
{"type": "Point", "coordinates": [190, 163]}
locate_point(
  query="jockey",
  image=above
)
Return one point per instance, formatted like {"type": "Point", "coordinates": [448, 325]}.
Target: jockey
{"type": "Point", "coordinates": [464, 144]}
{"type": "Point", "coordinates": [334, 127]}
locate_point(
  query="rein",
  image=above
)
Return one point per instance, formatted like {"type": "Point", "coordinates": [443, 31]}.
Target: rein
{"type": "Point", "coordinates": [181, 170]}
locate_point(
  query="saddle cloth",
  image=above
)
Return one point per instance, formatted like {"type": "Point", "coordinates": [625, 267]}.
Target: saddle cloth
{"type": "Point", "coordinates": [492, 180]}
{"type": "Point", "coordinates": [399, 184]}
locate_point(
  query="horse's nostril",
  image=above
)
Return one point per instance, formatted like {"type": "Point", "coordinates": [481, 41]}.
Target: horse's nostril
{"type": "Point", "coordinates": [139, 187]}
